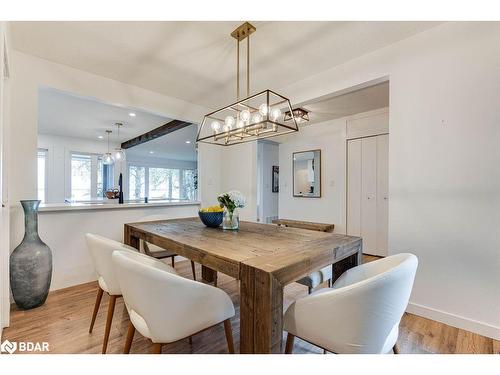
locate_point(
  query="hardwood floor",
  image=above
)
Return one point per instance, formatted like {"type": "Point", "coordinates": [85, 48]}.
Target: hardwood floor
{"type": "Point", "coordinates": [65, 318]}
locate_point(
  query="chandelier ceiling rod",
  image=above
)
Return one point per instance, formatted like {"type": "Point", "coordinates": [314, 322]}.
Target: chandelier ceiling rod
{"type": "Point", "coordinates": [241, 33]}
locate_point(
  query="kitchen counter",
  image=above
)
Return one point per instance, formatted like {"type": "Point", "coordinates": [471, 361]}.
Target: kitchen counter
{"type": "Point", "coordinates": [51, 207]}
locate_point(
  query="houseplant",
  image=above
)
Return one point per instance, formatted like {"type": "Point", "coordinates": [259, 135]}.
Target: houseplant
{"type": "Point", "coordinates": [231, 202]}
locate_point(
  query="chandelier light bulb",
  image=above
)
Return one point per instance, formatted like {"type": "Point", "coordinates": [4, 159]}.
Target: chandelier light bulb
{"type": "Point", "coordinates": [245, 115]}
{"type": "Point", "coordinates": [240, 124]}
{"type": "Point", "coordinates": [275, 114]}
{"type": "Point", "coordinates": [215, 126]}
{"type": "Point", "coordinates": [229, 121]}
{"type": "Point", "coordinates": [257, 118]}
{"type": "Point", "coordinates": [226, 128]}
{"type": "Point", "coordinates": [263, 109]}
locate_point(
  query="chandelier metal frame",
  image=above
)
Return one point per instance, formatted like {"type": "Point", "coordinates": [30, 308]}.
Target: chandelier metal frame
{"type": "Point", "coordinates": [257, 116]}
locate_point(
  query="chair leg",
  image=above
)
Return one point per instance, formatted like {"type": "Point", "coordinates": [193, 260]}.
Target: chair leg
{"type": "Point", "coordinates": [173, 261]}
{"type": "Point", "coordinates": [109, 320]}
{"type": "Point", "coordinates": [329, 283]}
{"type": "Point", "coordinates": [96, 308]}
{"type": "Point", "coordinates": [215, 279]}
{"type": "Point", "coordinates": [309, 290]}
{"type": "Point", "coordinates": [194, 270]}
{"type": "Point", "coordinates": [229, 336]}
{"type": "Point", "coordinates": [395, 349]}
{"type": "Point", "coordinates": [156, 348]}
{"type": "Point", "coordinates": [130, 338]}
{"type": "Point", "coordinates": [289, 343]}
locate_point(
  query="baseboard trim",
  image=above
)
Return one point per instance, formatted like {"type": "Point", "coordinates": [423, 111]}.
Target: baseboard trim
{"type": "Point", "coordinates": [457, 321]}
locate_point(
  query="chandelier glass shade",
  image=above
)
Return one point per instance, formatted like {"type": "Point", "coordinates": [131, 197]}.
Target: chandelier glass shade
{"type": "Point", "coordinates": [257, 116]}
{"type": "Point", "coordinates": [107, 158]}
{"type": "Point", "coordinates": [118, 153]}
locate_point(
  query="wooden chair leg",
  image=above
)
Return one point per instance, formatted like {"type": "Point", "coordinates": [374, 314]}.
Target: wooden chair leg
{"type": "Point", "coordinates": [215, 279]}
{"type": "Point", "coordinates": [309, 290]}
{"type": "Point", "coordinates": [130, 338]}
{"type": "Point", "coordinates": [173, 261]}
{"type": "Point", "coordinates": [194, 270]}
{"type": "Point", "coordinates": [395, 349]}
{"type": "Point", "coordinates": [96, 308]}
{"type": "Point", "coordinates": [156, 348]}
{"type": "Point", "coordinates": [329, 283]}
{"type": "Point", "coordinates": [229, 335]}
{"type": "Point", "coordinates": [109, 320]}
{"type": "Point", "coordinates": [289, 343]}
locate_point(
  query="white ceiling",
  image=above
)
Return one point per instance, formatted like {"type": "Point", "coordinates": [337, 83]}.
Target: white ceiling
{"type": "Point", "coordinates": [171, 146]}
{"type": "Point", "coordinates": [363, 100]}
{"type": "Point", "coordinates": [64, 114]}
{"type": "Point", "coordinates": [195, 61]}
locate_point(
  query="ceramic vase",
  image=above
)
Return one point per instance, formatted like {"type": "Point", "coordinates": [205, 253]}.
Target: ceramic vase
{"type": "Point", "coordinates": [30, 263]}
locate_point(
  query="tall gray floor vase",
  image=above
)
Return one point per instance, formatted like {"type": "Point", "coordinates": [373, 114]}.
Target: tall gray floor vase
{"type": "Point", "coordinates": [30, 263]}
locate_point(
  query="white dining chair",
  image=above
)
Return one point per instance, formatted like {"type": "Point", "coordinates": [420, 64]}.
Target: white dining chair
{"type": "Point", "coordinates": [165, 307]}
{"type": "Point", "coordinates": [101, 249]}
{"type": "Point", "coordinates": [360, 313]}
{"type": "Point", "coordinates": [157, 251]}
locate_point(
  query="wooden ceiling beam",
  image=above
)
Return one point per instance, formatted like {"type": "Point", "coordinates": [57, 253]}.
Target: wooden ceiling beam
{"type": "Point", "coordinates": [160, 131]}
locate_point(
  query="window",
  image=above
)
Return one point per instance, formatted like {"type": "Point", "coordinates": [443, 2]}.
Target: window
{"type": "Point", "coordinates": [189, 184]}
{"type": "Point", "coordinates": [137, 182]}
{"type": "Point", "coordinates": [81, 177]}
{"type": "Point", "coordinates": [105, 178]}
{"type": "Point", "coordinates": [162, 183]}
{"type": "Point", "coordinates": [42, 174]}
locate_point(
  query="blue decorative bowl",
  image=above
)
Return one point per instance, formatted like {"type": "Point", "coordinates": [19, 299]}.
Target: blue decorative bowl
{"type": "Point", "coordinates": [211, 219]}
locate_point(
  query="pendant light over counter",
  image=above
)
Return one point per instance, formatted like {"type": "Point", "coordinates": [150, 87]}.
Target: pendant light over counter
{"type": "Point", "coordinates": [256, 116]}
{"type": "Point", "coordinates": [118, 154]}
{"type": "Point", "coordinates": [107, 158]}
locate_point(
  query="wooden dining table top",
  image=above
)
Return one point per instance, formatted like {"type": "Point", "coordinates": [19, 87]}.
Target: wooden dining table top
{"type": "Point", "coordinates": [287, 253]}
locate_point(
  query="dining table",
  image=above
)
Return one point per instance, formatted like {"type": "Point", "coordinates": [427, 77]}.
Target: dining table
{"type": "Point", "coordinates": [263, 257]}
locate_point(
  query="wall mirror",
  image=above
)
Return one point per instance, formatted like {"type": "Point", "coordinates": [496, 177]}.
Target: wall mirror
{"type": "Point", "coordinates": [307, 174]}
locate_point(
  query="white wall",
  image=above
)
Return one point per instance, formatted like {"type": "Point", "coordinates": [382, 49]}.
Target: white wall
{"type": "Point", "coordinates": [329, 137]}
{"type": "Point", "coordinates": [4, 150]}
{"type": "Point", "coordinates": [239, 172]}
{"type": "Point", "coordinates": [443, 164]}
{"type": "Point", "coordinates": [267, 157]}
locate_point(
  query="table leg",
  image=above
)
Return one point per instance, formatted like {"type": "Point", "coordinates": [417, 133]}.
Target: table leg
{"type": "Point", "coordinates": [207, 274]}
{"type": "Point", "coordinates": [343, 265]}
{"type": "Point", "coordinates": [261, 312]}
{"type": "Point", "coordinates": [129, 239]}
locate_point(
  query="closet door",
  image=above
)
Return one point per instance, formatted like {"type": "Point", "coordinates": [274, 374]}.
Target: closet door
{"type": "Point", "coordinates": [354, 187]}
{"type": "Point", "coordinates": [382, 195]}
{"type": "Point", "coordinates": [369, 194]}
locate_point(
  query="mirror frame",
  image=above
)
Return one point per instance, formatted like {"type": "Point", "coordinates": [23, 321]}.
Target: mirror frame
{"type": "Point", "coordinates": [320, 177]}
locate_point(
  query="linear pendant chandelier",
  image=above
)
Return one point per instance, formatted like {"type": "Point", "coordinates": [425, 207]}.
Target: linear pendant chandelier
{"type": "Point", "coordinates": [256, 116]}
